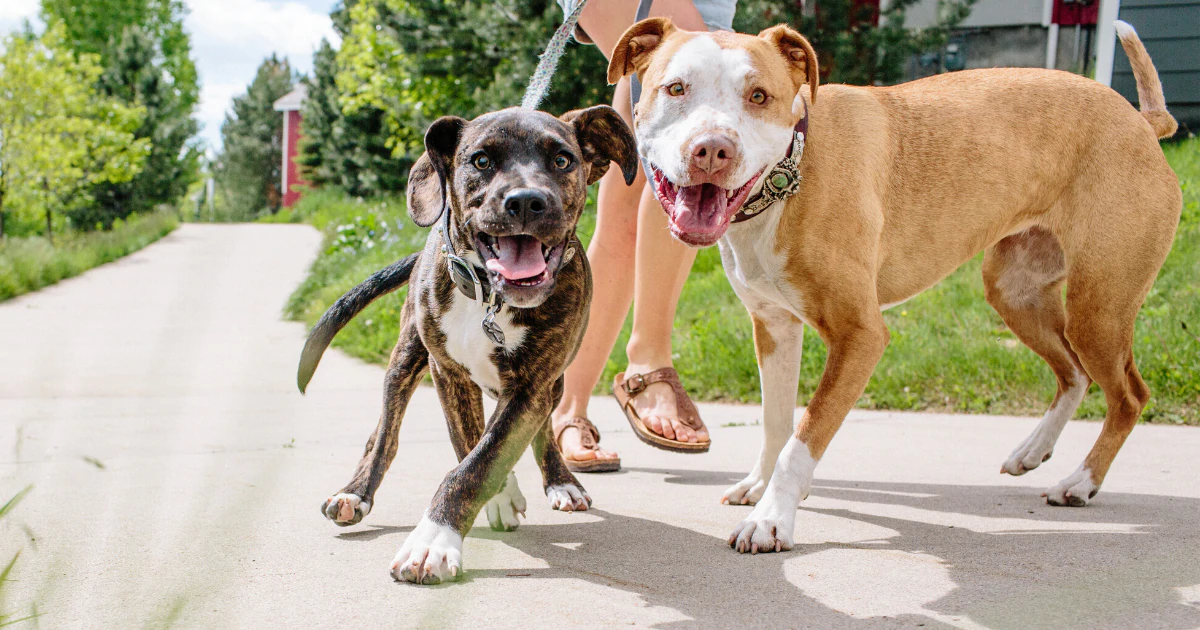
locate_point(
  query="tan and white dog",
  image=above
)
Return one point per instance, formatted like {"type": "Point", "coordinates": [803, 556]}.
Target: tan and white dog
{"type": "Point", "coordinates": [1054, 176]}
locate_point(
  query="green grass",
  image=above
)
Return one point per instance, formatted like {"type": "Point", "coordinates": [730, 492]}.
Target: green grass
{"type": "Point", "coordinates": [361, 237]}
{"type": "Point", "coordinates": [28, 264]}
{"type": "Point", "coordinates": [949, 350]}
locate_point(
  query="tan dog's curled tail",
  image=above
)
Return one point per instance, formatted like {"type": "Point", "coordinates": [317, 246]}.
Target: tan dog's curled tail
{"type": "Point", "coordinates": [1149, 87]}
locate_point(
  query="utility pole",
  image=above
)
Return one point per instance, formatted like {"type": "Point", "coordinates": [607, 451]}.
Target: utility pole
{"type": "Point", "coordinates": [1106, 40]}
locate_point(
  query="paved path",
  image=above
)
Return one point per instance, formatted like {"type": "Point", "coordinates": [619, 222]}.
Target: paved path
{"type": "Point", "coordinates": [178, 475]}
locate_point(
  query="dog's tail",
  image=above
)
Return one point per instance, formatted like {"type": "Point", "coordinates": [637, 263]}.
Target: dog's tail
{"type": "Point", "coordinates": [1150, 91]}
{"type": "Point", "coordinates": [354, 301]}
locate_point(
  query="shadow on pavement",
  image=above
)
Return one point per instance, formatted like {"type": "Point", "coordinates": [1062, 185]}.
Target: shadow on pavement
{"type": "Point", "coordinates": [940, 556]}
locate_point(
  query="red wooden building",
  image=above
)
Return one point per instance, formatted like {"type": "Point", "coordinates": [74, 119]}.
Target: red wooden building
{"type": "Point", "coordinates": [289, 105]}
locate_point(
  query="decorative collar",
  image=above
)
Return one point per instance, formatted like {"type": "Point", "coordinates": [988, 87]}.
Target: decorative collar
{"type": "Point", "coordinates": [783, 180]}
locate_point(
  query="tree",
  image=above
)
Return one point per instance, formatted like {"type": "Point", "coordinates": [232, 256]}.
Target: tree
{"type": "Point", "coordinates": [146, 54]}
{"type": "Point", "coordinates": [420, 59]}
{"type": "Point", "coordinates": [856, 42]}
{"type": "Point", "coordinates": [59, 136]}
{"type": "Point", "coordinates": [250, 167]}
{"type": "Point", "coordinates": [349, 151]}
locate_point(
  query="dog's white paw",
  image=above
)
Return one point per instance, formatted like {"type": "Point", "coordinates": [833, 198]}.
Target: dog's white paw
{"type": "Point", "coordinates": [770, 526]}
{"type": "Point", "coordinates": [431, 554]}
{"type": "Point", "coordinates": [1074, 491]}
{"type": "Point", "coordinates": [568, 498]}
{"type": "Point", "coordinates": [502, 509]}
{"type": "Point", "coordinates": [345, 509]}
{"type": "Point", "coordinates": [745, 492]}
{"type": "Point", "coordinates": [1036, 448]}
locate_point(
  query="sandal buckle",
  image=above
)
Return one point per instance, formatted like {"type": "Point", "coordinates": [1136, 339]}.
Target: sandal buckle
{"type": "Point", "coordinates": [632, 388]}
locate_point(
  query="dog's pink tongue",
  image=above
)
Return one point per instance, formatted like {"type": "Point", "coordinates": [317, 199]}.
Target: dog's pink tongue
{"type": "Point", "coordinates": [519, 257]}
{"type": "Point", "coordinates": [700, 209]}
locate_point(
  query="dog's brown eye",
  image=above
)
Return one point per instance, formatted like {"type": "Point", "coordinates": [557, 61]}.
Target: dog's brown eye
{"type": "Point", "coordinates": [758, 97]}
{"type": "Point", "coordinates": [675, 89]}
{"type": "Point", "coordinates": [562, 161]}
{"type": "Point", "coordinates": [481, 161]}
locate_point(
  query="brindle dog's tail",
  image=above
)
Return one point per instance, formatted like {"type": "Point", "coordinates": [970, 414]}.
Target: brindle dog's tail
{"type": "Point", "coordinates": [354, 301]}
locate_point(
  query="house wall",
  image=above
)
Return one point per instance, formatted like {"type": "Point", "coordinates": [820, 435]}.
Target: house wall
{"type": "Point", "coordinates": [1170, 29]}
{"type": "Point", "coordinates": [293, 181]}
{"type": "Point", "coordinates": [985, 13]}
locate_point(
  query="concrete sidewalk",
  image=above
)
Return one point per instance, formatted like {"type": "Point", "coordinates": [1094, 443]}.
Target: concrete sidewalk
{"type": "Point", "coordinates": [178, 476]}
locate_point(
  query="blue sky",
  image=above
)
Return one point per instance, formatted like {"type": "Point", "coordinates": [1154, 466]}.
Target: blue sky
{"type": "Point", "coordinates": [229, 39]}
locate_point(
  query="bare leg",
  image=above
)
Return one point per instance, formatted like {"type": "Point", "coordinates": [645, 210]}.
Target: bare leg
{"type": "Point", "coordinates": [610, 252]}
{"type": "Point", "coordinates": [663, 264]}
{"type": "Point", "coordinates": [613, 247]}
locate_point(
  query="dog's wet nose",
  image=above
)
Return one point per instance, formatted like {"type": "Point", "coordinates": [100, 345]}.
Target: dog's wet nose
{"type": "Point", "coordinates": [712, 152]}
{"type": "Point", "coordinates": [525, 203]}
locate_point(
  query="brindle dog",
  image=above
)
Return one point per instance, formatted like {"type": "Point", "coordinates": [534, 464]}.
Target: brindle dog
{"type": "Point", "coordinates": [499, 306]}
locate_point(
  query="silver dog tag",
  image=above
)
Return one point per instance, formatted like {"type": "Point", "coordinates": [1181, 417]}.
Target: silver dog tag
{"type": "Point", "coordinates": [491, 329]}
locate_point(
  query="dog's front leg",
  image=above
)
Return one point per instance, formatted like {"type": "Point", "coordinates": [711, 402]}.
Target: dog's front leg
{"type": "Point", "coordinates": [778, 342]}
{"type": "Point", "coordinates": [562, 488]}
{"type": "Point", "coordinates": [854, 349]}
{"type": "Point", "coordinates": [432, 553]}
{"type": "Point", "coordinates": [408, 364]}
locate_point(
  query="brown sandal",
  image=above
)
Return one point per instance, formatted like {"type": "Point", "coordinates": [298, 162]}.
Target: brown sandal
{"type": "Point", "coordinates": [589, 437]}
{"type": "Point", "coordinates": [626, 389]}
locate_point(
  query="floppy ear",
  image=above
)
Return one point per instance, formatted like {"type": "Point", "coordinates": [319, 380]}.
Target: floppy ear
{"type": "Point", "coordinates": [798, 53]}
{"type": "Point", "coordinates": [429, 177]}
{"type": "Point", "coordinates": [633, 52]}
{"type": "Point", "coordinates": [603, 137]}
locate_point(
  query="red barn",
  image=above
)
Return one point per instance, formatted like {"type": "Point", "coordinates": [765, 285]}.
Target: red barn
{"type": "Point", "coordinates": [290, 106]}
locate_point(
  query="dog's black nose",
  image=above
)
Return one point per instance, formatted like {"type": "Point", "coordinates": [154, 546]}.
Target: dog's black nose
{"type": "Point", "coordinates": [525, 203]}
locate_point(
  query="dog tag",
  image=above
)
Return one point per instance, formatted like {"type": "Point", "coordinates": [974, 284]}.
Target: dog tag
{"type": "Point", "coordinates": [491, 329]}
{"type": "Point", "coordinates": [569, 254]}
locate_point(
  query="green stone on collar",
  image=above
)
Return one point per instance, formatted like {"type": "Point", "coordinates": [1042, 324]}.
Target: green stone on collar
{"type": "Point", "coordinates": [780, 180]}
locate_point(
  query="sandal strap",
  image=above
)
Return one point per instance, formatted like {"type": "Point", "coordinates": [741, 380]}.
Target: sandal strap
{"type": "Point", "coordinates": [637, 383]}
{"type": "Point", "coordinates": [589, 435]}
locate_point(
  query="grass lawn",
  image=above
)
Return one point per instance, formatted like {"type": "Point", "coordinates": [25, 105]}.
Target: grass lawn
{"type": "Point", "coordinates": [949, 350]}
{"type": "Point", "coordinates": [28, 264]}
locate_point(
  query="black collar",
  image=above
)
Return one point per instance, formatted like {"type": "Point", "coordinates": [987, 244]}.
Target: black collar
{"type": "Point", "coordinates": [783, 180]}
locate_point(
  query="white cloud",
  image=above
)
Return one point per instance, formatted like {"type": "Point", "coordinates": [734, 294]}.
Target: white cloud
{"type": "Point", "coordinates": [14, 12]}
{"type": "Point", "coordinates": [230, 38]}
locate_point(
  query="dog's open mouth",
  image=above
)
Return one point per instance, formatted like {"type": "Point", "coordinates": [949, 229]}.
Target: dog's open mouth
{"type": "Point", "coordinates": [520, 260]}
{"type": "Point", "coordinates": [699, 214]}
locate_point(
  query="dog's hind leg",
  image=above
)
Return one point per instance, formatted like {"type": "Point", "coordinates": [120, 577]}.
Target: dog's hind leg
{"type": "Point", "coordinates": [778, 342]}
{"type": "Point", "coordinates": [1105, 289]}
{"type": "Point", "coordinates": [408, 364]}
{"type": "Point", "coordinates": [562, 488]}
{"type": "Point", "coordinates": [1022, 278]}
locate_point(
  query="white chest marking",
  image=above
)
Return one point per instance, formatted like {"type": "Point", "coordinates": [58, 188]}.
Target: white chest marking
{"type": "Point", "coordinates": [465, 342]}
{"type": "Point", "coordinates": [753, 265]}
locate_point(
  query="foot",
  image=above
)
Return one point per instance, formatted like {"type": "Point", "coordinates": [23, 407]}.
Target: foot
{"type": "Point", "coordinates": [1029, 455]}
{"type": "Point", "coordinates": [1075, 490]}
{"type": "Point", "coordinates": [431, 554]}
{"type": "Point", "coordinates": [656, 407]}
{"type": "Point", "coordinates": [747, 491]}
{"type": "Point", "coordinates": [770, 526]}
{"type": "Point", "coordinates": [568, 498]}
{"type": "Point", "coordinates": [345, 509]}
{"type": "Point", "coordinates": [502, 509]}
{"type": "Point", "coordinates": [576, 446]}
